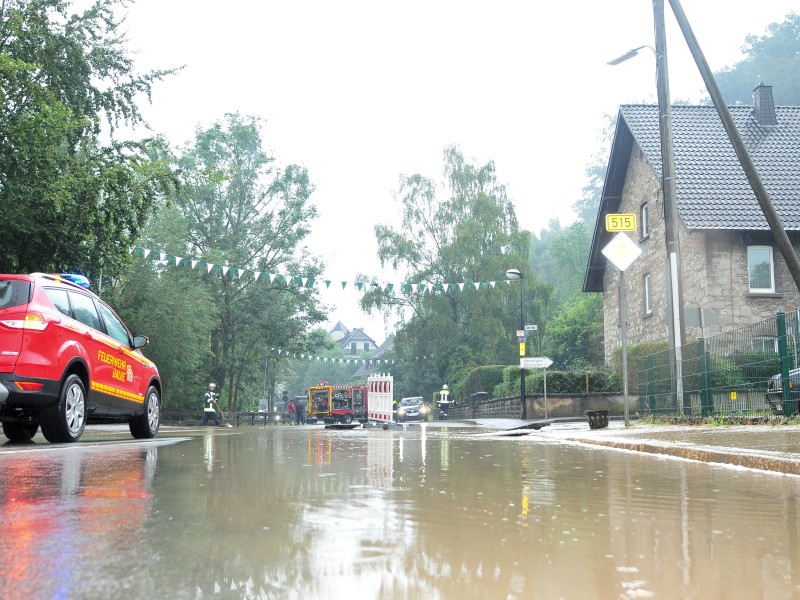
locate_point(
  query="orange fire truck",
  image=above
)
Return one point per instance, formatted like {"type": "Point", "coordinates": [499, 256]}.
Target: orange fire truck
{"type": "Point", "coordinates": [337, 403]}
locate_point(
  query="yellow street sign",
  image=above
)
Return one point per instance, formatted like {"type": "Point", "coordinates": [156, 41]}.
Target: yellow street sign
{"type": "Point", "coordinates": [620, 222]}
{"type": "Point", "coordinates": [522, 348]}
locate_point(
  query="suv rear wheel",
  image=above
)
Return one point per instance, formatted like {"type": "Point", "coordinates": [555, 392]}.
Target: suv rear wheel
{"type": "Point", "coordinates": [65, 420]}
{"type": "Point", "coordinates": [20, 432]}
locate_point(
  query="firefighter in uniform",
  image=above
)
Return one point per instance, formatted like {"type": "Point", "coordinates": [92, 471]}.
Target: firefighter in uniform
{"type": "Point", "coordinates": [210, 405]}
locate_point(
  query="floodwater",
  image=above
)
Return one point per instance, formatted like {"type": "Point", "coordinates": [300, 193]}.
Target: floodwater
{"type": "Point", "coordinates": [428, 512]}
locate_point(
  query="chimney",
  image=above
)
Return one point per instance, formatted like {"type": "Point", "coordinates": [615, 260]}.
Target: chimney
{"type": "Point", "coordinates": [764, 105]}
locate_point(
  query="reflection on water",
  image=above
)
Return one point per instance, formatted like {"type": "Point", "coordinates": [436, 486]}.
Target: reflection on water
{"type": "Point", "coordinates": [63, 512]}
{"type": "Point", "coordinates": [305, 512]}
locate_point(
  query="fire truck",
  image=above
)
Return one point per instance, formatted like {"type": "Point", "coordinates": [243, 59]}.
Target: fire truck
{"type": "Point", "coordinates": [337, 403]}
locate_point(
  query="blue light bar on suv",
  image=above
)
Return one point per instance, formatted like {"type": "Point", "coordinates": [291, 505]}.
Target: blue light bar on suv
{"type": "Point", "coordinates": [77, 279]}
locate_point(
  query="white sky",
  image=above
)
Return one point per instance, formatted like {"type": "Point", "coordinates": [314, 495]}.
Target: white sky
{"type": "Point", "coordinates": [364, 91]}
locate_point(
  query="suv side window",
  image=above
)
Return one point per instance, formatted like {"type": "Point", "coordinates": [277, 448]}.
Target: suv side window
{"type": "Point", "coordinates": [85, 312]}
{"type": "Point", "coordinates": [59, 300]}
{"type": "Point", "coordinates": [14, 293]}
{"type": "Point", "coordinates": [114, 326]}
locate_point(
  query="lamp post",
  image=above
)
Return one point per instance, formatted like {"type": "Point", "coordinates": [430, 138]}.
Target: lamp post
{"type": "Point", "coordinates": [517, 274]}
{"type": "Point", "coordinates": [675, 293]}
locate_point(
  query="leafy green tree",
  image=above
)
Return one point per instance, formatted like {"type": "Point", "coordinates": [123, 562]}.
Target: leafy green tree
{"type": "Point", "coordinates": [561, 254]}
{"type": "Point", "coordinates": [146, 297]}
{"type": "Point", "coordinates": [773, 58]}
{"type": "Point", "coordinates": [575, 334]}
{"type": "Point", "coordinates": [239, 208]}
{"type": "Point", "coordinates": [69, 200]}
{"type": "Point", "coordinates": [471, 236]}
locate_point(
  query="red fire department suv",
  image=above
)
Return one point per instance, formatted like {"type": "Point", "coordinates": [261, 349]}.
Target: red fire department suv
{"type": "Point", "coordinates": [67, 358]}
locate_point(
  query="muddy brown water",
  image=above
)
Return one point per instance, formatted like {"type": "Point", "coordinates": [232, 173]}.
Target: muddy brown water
{"type": "Point", "coordinates": [427, 512]}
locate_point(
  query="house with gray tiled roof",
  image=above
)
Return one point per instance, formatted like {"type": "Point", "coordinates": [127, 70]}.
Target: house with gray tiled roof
{"type": "Point", "coordinates": [339, 331]}
{"type": "Point", "coordinates": [732, 271]}
{"type": "Point", "coordinates": [357, 342]}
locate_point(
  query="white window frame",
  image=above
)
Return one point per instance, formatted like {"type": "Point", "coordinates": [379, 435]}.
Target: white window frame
{"type": "Point", "coordinates": [644, 211]}
{"type": "Point", "coordinates": [754, 290]}
{"type": "Point", "coordinates": [648, 297]}
{"type": "Point", "coordinates": [760, 343]}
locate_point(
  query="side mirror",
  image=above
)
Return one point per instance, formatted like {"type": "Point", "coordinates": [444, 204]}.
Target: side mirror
{"type": "Point", "coordinates": [140, 341]}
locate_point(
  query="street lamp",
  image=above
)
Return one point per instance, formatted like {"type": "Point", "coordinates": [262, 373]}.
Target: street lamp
{"type": "Point", "coordinates": [675, 295]}
{"type": "Point", "coordinates": [517, 274]}
{"type": "Point", "coordinates": [628, 55]}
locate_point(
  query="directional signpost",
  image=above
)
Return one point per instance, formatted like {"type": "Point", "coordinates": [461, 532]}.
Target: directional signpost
{"type": "Point", "coordinates": [537, 362]}
{"type": "Point", "coordinates": [622, 251]}
{"type": "Point", "coordinates": [534, 362]}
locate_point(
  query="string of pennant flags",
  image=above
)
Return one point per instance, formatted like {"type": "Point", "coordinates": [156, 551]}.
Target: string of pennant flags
{"type": "Point", "coordinates": [367, 362]}
{"type": "Point", "coordinates": [406, 288]}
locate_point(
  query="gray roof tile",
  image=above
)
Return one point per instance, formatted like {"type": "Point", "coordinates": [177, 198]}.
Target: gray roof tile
{"type": "Point", "coordinates": [711, 187]}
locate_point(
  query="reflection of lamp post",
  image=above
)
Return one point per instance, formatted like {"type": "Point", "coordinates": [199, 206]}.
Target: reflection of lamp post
{"type": "Point", "coordinates": [517, 274]}
{"type": "Point", "coordinates": [675, 296]}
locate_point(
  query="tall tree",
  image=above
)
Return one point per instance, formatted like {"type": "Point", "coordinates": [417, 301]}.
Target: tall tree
{"type": "Point", "coordinates": [68, 199]}
{"type": "Point", "coordinates": [240, 209]}
{"type": "Point", "coordinates": [469, 236]}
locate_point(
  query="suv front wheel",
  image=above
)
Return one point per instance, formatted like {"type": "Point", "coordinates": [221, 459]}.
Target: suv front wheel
{"type": "Point", "coordinates": [145, 425]}
{"type": "Point", "coordinates": [65, 420]}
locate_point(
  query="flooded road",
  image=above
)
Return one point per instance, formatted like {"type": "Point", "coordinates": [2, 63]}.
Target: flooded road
{"type": "Point", "coordinates": [428, 512]}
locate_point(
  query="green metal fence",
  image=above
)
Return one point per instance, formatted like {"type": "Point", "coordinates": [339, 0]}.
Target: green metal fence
{"type": "Point", "coordinates": [727, 374]}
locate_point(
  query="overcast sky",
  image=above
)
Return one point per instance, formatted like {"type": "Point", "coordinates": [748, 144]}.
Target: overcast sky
{"type": "Point", "coordinates": [362, 92]}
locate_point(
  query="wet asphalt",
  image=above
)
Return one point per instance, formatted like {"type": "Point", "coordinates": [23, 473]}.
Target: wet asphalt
{"type": "Point", "coordinates": [773, 448]}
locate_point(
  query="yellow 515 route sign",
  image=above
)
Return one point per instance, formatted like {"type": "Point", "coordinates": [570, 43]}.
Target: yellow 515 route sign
{"type": "Point", "coordinates": [620, 222]}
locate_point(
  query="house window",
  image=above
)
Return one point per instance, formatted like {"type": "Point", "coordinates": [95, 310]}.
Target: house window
{"type": "Point", "coordinates": [764, 344]}
{"type": "Point", "coordinates": [648, 306]}
{"type": "Point", "coordinates": [760, 269]}
{"type": "Point", "coordinates": [645, 221]}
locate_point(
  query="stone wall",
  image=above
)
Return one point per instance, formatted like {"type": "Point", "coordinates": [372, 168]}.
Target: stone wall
{"type": "Point", "coordinates": [640, 187]}
{"type": "Point", "coordinates": [557, 406]}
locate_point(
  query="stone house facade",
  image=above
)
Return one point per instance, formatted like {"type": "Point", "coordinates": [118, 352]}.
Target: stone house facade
{"type": "Point", "coordinates": [732, 271]}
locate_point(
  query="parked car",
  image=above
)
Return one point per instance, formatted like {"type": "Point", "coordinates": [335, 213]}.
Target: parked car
{"type": "Point", "coordinates": [774, 395]}
{"type": "Point", "coordinates": [66, 359]}
{"type": "Point", "coordinates": [412, 409]}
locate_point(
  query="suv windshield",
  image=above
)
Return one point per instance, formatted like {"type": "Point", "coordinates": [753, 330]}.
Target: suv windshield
{"type": "Point", "coordinates": [14, 293]}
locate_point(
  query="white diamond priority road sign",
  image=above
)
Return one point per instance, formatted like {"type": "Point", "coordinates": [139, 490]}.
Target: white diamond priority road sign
{"type": "Point", "coordinates": [621, 251]}
{"type": "Point", "coordinates": [534, 362]}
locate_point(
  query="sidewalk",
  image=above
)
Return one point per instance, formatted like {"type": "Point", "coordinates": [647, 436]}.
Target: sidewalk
{"type": "Point", "coordinates": [773, 448]}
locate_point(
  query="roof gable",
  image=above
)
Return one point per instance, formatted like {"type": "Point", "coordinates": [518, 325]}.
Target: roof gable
{"type": "Point", "coordinates": [357, 335]}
